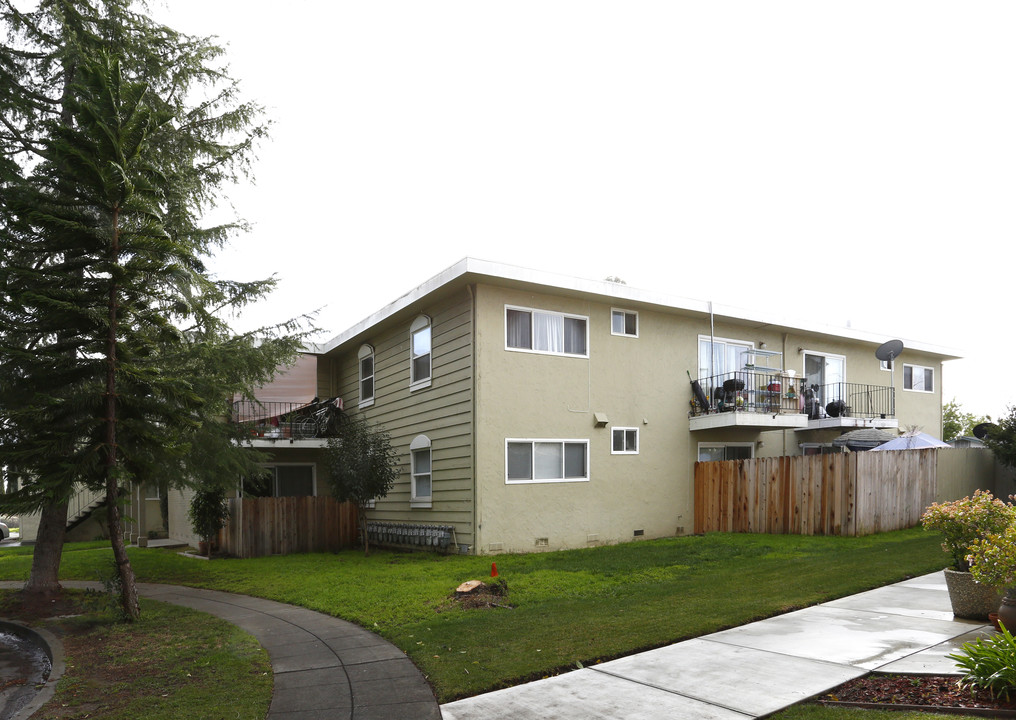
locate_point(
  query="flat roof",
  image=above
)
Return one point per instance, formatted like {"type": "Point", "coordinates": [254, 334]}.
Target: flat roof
{"type": "Point", "coordinates": [472, 269]}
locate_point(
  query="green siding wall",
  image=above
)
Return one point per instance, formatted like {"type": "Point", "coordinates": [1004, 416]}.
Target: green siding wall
{"type": "Point", "coordinates": [443, 412]}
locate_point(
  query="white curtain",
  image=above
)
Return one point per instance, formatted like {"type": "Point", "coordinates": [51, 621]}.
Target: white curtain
{"type": "Point", "coordinates": [548, 332]}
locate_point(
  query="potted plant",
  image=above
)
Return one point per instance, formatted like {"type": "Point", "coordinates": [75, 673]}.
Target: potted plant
{"type": "Point", "coordinates": [963, 523]}
{"type": "Point", "coordinates": [208, 515]}
{"type": "Point", "coordinates": [992, 562]}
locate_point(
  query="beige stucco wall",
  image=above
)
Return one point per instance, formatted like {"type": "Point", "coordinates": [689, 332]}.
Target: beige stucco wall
{"type": "Point", "coordinates": [635, 382]}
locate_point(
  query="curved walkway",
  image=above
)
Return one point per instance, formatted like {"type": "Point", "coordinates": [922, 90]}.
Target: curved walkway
{"type": "Point", "coordinates": [323, 666]}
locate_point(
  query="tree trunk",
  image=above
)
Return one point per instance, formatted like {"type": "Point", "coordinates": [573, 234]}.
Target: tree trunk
{"type": "Point", "coordinates": [361, 516]}
{"type": "Point", "coordinates": [128, 584]}
{"type": "Point", "coordinates": [44, 581]}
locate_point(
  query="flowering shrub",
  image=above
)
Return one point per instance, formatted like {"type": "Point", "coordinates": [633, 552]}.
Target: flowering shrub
{"type": "Point", "coordinates": [965, 521]}
{"type": "Point", "coordinates": [992, 559]}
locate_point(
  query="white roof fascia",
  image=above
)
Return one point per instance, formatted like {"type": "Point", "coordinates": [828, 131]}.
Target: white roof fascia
{"type": "Point", "coordinates": [608, 289]}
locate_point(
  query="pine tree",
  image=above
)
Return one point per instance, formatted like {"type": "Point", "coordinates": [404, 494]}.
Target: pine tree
{"type": "Point", "coordinates": [115, 364]}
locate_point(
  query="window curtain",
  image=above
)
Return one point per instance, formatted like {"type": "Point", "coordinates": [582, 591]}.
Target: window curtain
{"type": "Point", "coordinates": [574, 336]}
{"type": "Point", "coordinates": [548, 332]}
{"type": "Point", "coordinates": [520, 329]}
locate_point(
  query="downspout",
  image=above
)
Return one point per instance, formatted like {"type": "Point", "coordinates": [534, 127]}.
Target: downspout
{"type": "Point", "coordinates": [712, 343]}
{"type": "Point", "coordinates": [471, 289]}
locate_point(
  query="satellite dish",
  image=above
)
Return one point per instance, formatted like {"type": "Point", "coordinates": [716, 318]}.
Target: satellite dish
{"type": "Point", "coordinates": [981, 431]}
{"type": "Point", "coordinates": [889, 351]}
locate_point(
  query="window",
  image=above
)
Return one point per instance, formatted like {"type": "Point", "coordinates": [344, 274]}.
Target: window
{"type": "Point", "coordinates": [723, 357]}
{"type": "Point", "coordinates": [624, 441]}
{"type": "Point", "coordinates": [366, 356]}
{"type": "Point", "coordinates": [545, 332]}
{"type": "Point", "coordinates": [534, 461]}
{"type": "Point", "coordinates": [624, 322]}
{"type": "Point", "coordinates": [819, 449]}
{"type": "Point", "coordinates": [421, 491]}
{"type": "Point", "coordinates": [281, 481]}
{"type": "Point", "coordinates": [919, 379]}
{"type": "Point", "coordinates": [725, 451]}
{"type": "Point", "coordinates": [419, 371]}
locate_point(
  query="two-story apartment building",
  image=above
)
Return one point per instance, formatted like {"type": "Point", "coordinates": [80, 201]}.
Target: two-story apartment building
{"type": "Point", "coordinates": [536, 411]}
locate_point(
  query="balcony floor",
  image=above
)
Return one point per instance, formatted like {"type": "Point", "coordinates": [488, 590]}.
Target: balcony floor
{"type": "Point", "coordinates": [762, 421]}
{"type": "Point", "coordinates": [836, 423]}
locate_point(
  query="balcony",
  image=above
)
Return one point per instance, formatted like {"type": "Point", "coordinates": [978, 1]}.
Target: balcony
{"type": "Point", "coordinates": [270, 422]}
{"type": "Point", "coordinates": [849, 405]}
{"type": "Point", "coordinates": [764, 400]}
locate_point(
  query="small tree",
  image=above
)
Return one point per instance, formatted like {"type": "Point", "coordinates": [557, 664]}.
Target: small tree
{"type": "Point", "coordinates": [362, 467]}
{"type": "Point", "coordinates": [208, 514]}
{"type": "Point", "coordinates": [1001, 439]}
{"type": "Point", "coordinates": [957, 423]}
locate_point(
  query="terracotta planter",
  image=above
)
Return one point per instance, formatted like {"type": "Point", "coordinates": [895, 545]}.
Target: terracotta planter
{"type": "Point", "coordinates": [971, 599]}
{"type": "Point", "coordinates": [1007, 610]}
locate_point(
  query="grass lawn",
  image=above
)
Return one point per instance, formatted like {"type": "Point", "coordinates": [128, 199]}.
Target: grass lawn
{"type": "Point", "coordinates": [173, 663]}
{"type": "Point", "coordinates": [570, 608]}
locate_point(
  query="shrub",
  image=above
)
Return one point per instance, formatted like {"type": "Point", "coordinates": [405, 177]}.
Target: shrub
{"type": "Point", "coordinates": [208, 513]}
{"type": "Point", "coordinates": [992, 559]}
{"type": "Point", "coordinates": [962, 522]}
{"type": "Point", "coordinates": [989, 664]}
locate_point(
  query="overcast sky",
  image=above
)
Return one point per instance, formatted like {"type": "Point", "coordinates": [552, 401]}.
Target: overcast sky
{"type": "Point", "coordinates": [841, 162]}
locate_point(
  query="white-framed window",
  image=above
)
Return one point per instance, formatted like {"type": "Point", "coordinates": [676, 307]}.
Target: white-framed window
{"type": "Point", "coordinates": [546, 460]}
{"type": "Point", "coordinates": [283, 480]}
{"type": "Point", "coordinates": [721, 356]}
{"type": "Point", "coordinates": [725, 451]}
{"type": "Point", "coordinates": [918, 378]}
{"type": "Point", "coordinates": [421, 483]}
{"type": "Point", "coordinates": [366, 358]}
{"type": "Point", "coordinates": [624, 322]}
{"type": "Point", "coordinates": [624, 441]}
{"type": "Point", "coordinates": [420, 353]}
{"type": "Point", "coordinates": [542, 331]}
{"type": "Point", "coordinates": [884, 365]}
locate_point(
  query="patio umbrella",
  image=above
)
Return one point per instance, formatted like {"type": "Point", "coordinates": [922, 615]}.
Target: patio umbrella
{"type": "Point", "coordinates": [863, 439]}
{"type": "Point", "coordinates": [912, 441]}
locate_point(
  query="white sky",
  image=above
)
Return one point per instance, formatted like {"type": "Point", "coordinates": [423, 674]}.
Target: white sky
{"type": "Point", "coordinates": [842, 162]}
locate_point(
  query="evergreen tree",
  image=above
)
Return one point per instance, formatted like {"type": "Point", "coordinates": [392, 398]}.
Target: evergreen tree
{"type": "Point", "coordinates": [362, 467]}
{"type": "Point", "coordinates": [115, 364]}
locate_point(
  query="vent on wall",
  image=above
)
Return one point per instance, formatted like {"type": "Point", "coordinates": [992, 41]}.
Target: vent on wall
{"type": "Point", "coordinates": [640, 533]}
{"type": "Point", "coordinates": [542, 542]}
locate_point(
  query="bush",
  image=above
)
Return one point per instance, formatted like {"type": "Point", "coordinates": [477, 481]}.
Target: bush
{"type": "Point", "coordinates": [965, 521]}
{"type": "Point", "coordinates": [208, 513]}
{"type": "Point", "coordinates": [989, 664]}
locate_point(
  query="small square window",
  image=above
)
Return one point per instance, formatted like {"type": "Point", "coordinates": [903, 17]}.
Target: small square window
{"type": "Point", "coordinates": [624, 441]}
{"type": "Point", "coordinates": [624, 322]}
{"type": "Point", "coordinates": [918, 379]}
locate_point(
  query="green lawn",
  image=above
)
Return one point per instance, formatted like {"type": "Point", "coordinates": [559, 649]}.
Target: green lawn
{"type": "Point", "coordinates": [580, 606]}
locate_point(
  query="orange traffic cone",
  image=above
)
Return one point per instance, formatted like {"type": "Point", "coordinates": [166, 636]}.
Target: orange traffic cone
{"type": "Point", "coordinates": [493, 569]}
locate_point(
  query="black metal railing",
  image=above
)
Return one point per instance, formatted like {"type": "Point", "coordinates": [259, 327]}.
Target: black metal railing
{"type": "Point", "coordinates": [285, 420]}
{"type": "Point", "coordinates": [849, 400]}
{"type": "Point", "coordinates": [750, 391]}
{"type": "Point", "coordinates": [779, 394]}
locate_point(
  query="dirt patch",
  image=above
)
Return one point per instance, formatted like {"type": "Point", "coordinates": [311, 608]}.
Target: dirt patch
{"type": "Point", "coordinates": [917, 690]}
{"type": "Point", "coordinates": [492, 594]}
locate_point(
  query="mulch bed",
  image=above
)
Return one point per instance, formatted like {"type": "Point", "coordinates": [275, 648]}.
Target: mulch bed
{"type": "Point", "coordinates": [918, 692]}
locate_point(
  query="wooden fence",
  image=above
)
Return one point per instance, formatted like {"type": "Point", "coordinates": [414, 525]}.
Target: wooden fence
{"type": "Point", "coordinates": [840, 494]}
{"type": "Point", "coordinates": [279, 526]}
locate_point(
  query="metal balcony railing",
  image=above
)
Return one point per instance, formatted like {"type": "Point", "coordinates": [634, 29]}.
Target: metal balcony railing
{"type": "Point", "coordinates": [750, 391]}
{"type": "Point", "coordinates": [849, 400]}
{"type": "Point", "coordinates": [284, 420]}
{"type": "Point", "coordinates": [779, 394]}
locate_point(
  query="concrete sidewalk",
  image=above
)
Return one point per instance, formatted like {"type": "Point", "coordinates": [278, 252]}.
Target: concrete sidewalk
{"type": "Point", "coordinates": [752, 670]}
{"type": "Point", "coordinates": [323, 666]}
